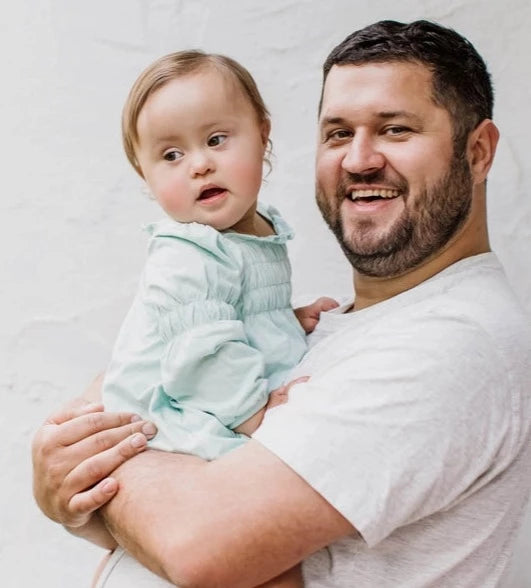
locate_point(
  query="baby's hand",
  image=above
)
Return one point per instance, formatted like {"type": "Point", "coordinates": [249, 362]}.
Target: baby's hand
{"type": "Point", "coordinates": [276, 397]}
{"type": "Point", "coordinates": [281, 395]}
{"type": "Point", "coordinates": [309, 315]}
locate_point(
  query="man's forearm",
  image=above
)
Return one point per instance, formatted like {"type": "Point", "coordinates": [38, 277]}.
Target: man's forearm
{"type": "Point", "coordinates": [95, 532]}
{"type": "Point", "coordinates": [135, 517]}
{"type": "Point", "coordinates": [238, 521]}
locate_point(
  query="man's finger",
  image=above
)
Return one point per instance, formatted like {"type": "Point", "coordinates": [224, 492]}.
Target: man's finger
{"type": "Point", "coordinates": [76, 408]}
{"type": "Point", "coordinates": [87, 502]}
{"type": "Point", "coordinates": [108, 438]}
{"type": "Point", "coordinates": [90, 423]}
{"type": "Point", "coordinates": [94, 469]}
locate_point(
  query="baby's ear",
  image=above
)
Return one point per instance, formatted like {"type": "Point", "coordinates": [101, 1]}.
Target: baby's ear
{"type": "Point", "coordinates": [265, 130]}
{"type": "Point", "coordinates": [138, 170]}
{"type": "Point", "coordinates": [482, 143]}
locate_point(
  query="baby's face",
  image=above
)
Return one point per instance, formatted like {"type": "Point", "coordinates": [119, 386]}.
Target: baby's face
{"type": "Point", "coordinates": [201, 150]}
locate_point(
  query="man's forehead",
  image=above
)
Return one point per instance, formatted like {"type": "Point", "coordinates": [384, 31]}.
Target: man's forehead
{"type": "Point", "coordinates": [382, 86]}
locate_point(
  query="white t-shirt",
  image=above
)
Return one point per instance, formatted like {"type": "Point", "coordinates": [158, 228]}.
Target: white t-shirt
{"type": "Point", "coordinates": [415, 426]}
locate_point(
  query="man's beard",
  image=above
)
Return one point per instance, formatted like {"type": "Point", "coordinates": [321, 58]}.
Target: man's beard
{"type": "Point", "coordinates": [421, 230]}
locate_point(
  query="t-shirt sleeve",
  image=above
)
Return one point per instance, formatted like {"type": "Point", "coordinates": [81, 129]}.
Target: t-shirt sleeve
{"type": "Point", "coordinates": [207, 364]}
{"type": "Point", "coordinates": [407, 421]}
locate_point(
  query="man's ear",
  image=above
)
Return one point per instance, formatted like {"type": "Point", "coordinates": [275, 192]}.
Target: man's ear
{"type": "Point", "coordinates": [481, 148]}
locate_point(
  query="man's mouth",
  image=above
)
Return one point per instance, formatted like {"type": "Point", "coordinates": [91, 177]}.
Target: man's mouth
{"type": "Point", "coordinates": [211, 193]}
{"type": "Point", "coordinates": [372, 195]}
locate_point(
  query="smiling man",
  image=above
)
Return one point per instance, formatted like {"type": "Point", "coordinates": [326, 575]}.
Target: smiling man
{"type": "Point", "coordinates": [404, 460]}
{"type": "Point", "coordinates": [394, 184]}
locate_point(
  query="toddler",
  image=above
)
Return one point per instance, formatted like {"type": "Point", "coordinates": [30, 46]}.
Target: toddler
{"type": "Point", "coordinates": [211, 332]}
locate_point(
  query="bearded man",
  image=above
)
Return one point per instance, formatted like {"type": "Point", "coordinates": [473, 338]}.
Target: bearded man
{"type": "Point", "coordinates": [404, 459]}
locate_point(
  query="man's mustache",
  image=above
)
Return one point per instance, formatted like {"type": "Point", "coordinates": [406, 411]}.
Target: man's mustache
{"type": "Point", "coordinates": [375, 177]}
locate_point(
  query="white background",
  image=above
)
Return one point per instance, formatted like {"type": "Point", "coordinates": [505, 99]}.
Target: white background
{"type": "Point", "coordinates": [71, 208]}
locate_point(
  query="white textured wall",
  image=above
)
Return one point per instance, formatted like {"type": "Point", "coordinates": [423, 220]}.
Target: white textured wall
{"type": "Point", "coordinates": [70, 206]}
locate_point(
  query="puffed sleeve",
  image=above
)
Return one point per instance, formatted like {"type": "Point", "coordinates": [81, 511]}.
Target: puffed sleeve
{"type": "Point", "coordinates": [192, 284]}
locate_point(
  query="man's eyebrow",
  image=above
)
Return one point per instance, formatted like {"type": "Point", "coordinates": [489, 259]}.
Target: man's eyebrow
{"type": "Point", "coordinates": [333, 120]}
{"type": "Point", "coordinates": [399, 114]}
{"type": "Point", "coordinates": [386, 115]}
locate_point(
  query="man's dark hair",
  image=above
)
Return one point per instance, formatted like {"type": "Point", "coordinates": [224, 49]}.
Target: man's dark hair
{"type": "Point", "coordinates": [461, 82]}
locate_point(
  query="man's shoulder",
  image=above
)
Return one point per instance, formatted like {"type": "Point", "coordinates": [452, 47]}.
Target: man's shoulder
{"type": "Point", "coordinates": [473, 294]}
{"type": "Point", "coordinates": [464, 317]}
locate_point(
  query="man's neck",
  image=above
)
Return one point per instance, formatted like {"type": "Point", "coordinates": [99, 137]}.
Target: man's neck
{"type": "Point", "coordinates": [473, 240]}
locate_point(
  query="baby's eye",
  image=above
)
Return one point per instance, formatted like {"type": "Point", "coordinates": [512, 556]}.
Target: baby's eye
{"type": "Point", "coordinates": [216, 140]}
{"type": "Point", "coordinates": [172, 154]}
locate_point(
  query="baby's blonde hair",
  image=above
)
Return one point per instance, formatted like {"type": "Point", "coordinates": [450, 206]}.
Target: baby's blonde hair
{"type": "Point", "coordinates": [176, 65]}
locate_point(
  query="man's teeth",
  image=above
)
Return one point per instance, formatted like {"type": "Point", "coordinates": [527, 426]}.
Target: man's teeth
{"type": "Point", "coordinates": [355, 194]}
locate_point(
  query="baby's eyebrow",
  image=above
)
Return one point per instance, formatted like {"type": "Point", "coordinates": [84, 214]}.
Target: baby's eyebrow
{"type": "Point", "coordinates": [166, 138]}
{"type": "Point", "coordinates": [206, 127]}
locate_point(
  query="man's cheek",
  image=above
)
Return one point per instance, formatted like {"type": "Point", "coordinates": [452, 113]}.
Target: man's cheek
{"type": "Point", "coordinates": [326, 172]}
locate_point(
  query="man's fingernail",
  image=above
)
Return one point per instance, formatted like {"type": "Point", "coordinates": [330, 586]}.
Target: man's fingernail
{"type": "Point", "coordinates": [108, 486]}
{"type": "Point", "coordinates": [135, 418]}
{"type": "Point", "coordinates": [138, 441]}
{"type": "Point", "coordinates": [90, 406]}
{"type": "Point", "coordinates": [149, 429]}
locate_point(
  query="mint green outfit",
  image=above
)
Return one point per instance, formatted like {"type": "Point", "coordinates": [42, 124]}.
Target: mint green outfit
{"type": "Point", "coordinates": [210, 333]}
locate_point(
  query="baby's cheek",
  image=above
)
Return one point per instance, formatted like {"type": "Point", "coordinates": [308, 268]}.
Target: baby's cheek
{"type": "Point", "coordinates": [249, 173]}
{"type": "Point", "coordinates": [173, 201]}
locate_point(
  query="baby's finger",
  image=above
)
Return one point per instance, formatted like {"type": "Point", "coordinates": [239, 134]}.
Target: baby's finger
{"type": "Point", "coordinates": [277, 397]}
{"type": "Point", "coordinates": [327, 303]}
{"type": "Point", "coordinates": [84, 503]}
{"type": "Point", "coordinates": [99, 466]}
{"type": "Point", "coordinates": [299, 380]}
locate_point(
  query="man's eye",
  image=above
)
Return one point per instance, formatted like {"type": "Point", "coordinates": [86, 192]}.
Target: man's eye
{"type": "Point", "coordinates": [338, 135]}
{"type": "Point", "coordinates": [396, 130]}
{"type": "Point", "coordinates": [216, 140]}
{"type": "Point", "coordinates": [172, 155]}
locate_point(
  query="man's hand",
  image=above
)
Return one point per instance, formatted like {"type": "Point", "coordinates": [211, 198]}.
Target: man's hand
{"type": "Point", "coordinates": [308, 316]}
{"type": "Point", "coordinates": [73, 454]}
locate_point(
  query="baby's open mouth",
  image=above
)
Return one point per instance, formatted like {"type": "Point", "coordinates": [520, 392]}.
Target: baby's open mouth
{"type": "Point", "coordinates": [211, 193]}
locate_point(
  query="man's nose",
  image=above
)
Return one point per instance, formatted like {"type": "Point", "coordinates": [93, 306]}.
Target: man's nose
{"type": "Point", "coordinates": [363, 155]}
{"type": "Point", "coordinates": [201, 162]}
